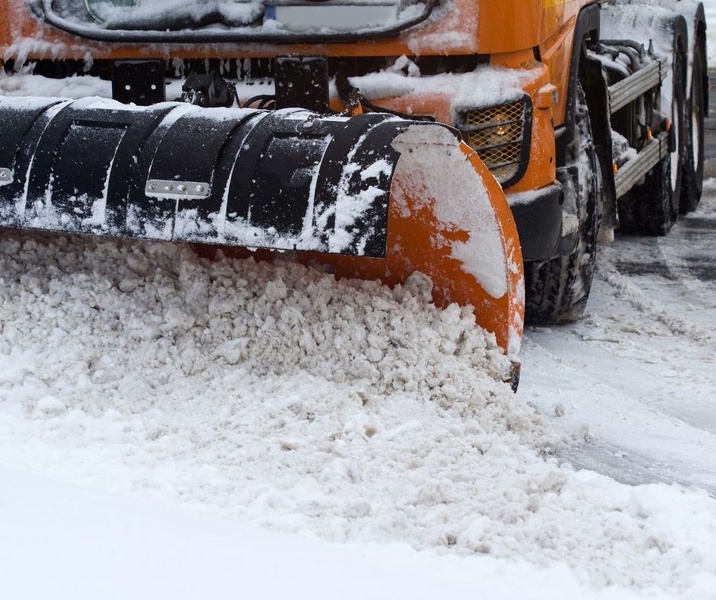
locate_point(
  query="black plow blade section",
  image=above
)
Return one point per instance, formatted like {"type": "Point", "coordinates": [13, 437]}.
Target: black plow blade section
{"type": "Point", "coordinates": [287, 179]}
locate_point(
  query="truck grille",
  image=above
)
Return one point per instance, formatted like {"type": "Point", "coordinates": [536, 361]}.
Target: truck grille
{"type": "Point", "coordinates": [499, 135]}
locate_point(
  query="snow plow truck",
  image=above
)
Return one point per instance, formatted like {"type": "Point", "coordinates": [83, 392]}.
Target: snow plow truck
{"type": "Point", "coordinates": [488, 145]}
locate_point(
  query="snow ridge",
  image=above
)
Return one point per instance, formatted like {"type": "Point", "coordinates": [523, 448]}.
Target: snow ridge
{"type": "Point", "coordinates": [636, 297]}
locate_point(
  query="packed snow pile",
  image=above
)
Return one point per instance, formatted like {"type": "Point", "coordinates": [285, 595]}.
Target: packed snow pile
{"type": "Point", "coordinates": [343, 410]}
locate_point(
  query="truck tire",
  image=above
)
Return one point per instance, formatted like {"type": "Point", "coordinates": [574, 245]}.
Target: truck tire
{"type": "Point", "coordinates": [557, 290]}
{"type": "Point", "coordinates": [652, 207]}
{"type": "Point", "coordinates": [693, 163]}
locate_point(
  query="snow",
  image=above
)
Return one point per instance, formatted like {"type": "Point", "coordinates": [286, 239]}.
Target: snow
{"type": "Point", "coordinates": [710, 10]}
{"type": "Point", "coordinates": [91, 544]}
{"type": "Point", "coordinates": [467, 90]}
{"type": "Point", "coordinates": [177, 428]}
{"type": "Point", "coordinates": [119, 14]}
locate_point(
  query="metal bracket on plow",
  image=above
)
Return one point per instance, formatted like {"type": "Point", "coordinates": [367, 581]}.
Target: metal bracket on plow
{"type": "Point", "coordinates": [138, 81]}
{"type": "Point", "coordinates": [5, 176]}
{"type": "Point", "coordinates": [161, 188]}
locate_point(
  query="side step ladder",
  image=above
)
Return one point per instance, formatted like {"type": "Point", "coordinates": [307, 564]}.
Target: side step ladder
{"type": "Point", "coordinates": [622, 93]}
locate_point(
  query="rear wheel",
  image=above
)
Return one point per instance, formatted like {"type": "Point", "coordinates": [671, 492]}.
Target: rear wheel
{"type": "Point", "coordinates": [652, 208]}
{"type": "Point", "coordinates": [558, 289]}
{"type": "Point", "coordinates": [693, 163]}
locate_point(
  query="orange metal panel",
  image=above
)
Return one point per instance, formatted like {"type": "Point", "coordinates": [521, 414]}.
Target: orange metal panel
{"type": "Point", "coordinates": [4, 25]}
{"type": "Point", "coordinates": [509, 25]}
{"type": "Point", "coordinates": [515, 31]}
{"type": "Point", "coordinates": [556, 53]}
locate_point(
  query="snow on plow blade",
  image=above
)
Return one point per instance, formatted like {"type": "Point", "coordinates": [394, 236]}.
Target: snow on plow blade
{"type": "Point", "coordinates": [372, 196]}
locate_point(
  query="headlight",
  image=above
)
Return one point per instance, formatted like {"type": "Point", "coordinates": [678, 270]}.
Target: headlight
{"type": "Point", "coordinates": [500, 136]}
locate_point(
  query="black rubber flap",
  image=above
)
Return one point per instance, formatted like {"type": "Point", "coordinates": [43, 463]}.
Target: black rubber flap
{"type": "Point", "coordinates": [288, 179]}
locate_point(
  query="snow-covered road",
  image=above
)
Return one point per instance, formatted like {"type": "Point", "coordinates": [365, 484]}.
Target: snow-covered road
{"type": "Point", "coordinates": [352, 414]}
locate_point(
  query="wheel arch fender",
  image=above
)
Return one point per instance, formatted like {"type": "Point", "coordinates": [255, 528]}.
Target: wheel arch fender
{"type": "Point", "coordinates": [587, 28]}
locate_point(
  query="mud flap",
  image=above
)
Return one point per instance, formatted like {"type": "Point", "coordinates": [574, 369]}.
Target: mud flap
{"type": "Point", "coordinates": [374, 196]}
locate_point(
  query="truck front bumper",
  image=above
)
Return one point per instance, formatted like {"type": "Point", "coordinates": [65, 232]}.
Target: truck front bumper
{"type": "Point", "coordinates": [538, 216]}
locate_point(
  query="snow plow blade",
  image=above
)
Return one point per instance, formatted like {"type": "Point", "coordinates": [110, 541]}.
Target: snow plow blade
{"type": "Point", "coordinates": [373, 196]}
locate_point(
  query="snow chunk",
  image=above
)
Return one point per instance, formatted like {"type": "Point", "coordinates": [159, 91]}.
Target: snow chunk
{"type": "Point", "coordinates": [49, 406]}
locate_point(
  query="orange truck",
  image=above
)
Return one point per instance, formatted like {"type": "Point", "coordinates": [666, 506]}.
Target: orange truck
{"type": "Point", "coordinates": [488, 145]}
